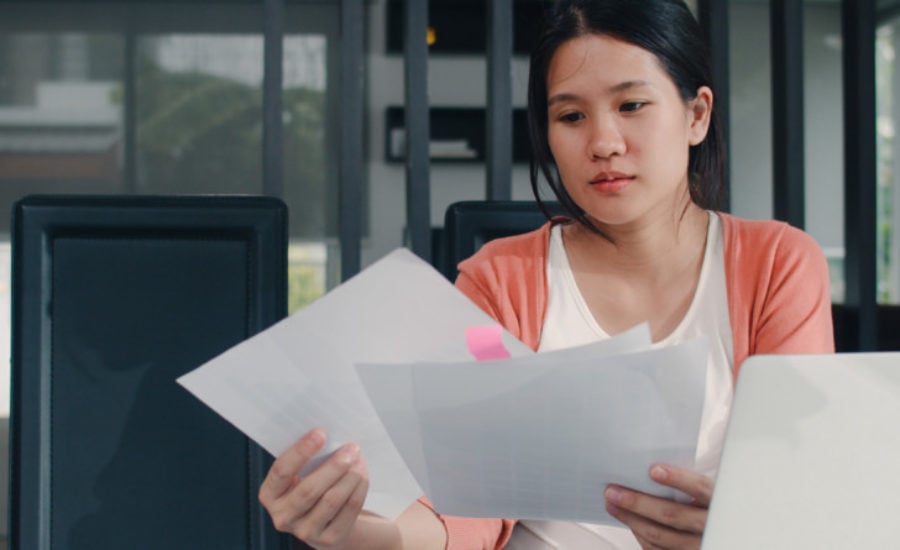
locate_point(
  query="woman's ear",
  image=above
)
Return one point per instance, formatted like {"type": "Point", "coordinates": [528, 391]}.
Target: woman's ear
{"type": "Point", "coordinates": [699, 115]}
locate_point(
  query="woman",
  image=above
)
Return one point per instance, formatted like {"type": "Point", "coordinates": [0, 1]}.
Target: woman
{"type": "Point", "coordinates": [623, 130]}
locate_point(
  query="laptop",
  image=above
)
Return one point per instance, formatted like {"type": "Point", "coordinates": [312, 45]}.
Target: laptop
{"type": "Point", "coordinates": [811, 456]}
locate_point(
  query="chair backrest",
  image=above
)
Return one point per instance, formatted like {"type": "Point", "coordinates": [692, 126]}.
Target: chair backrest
{"type": "Point", "coordinates": [470, 224]}
{"type": "Point", "coordinates": [114, 297]}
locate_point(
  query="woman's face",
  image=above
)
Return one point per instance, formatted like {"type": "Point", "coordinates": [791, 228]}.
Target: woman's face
{"type": "Point", "coordinates": [619, 130]}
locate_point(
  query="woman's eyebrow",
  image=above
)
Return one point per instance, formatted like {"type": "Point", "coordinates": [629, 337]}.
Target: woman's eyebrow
{"type": "Point", "coordinates": [628, 84]}
{"type": "Point", "coordinates": [616, 88]}
{"type": "Point", "coordinates": [561, 97]}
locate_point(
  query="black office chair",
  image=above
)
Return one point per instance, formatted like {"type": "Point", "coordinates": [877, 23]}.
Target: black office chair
{"type": "Point", "coordinates": [113, 299]}
{"type": "Point", "coordinates": [470, 224]}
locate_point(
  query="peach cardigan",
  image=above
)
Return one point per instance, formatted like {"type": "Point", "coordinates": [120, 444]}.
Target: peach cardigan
{"type": "Point", "coordinates": [778, 301]}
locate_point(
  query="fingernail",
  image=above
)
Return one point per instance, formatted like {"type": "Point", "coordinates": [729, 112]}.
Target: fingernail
{"type": "Point", "coordinates": [360, 468]}
{"type": "Point", "coordinates": [613, 495]}
{"type": "Point", "coordinates": [316, 436]}
{"type": "Point", "coordinates": [349, 453]}
{"type": "Point", "coordinates": [659, 473]}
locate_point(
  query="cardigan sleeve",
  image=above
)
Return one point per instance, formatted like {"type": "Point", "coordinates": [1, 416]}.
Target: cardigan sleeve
{"type": "Point", "coordinates": [474, 533]}
{"type": "Point", "coordinates": [507, 279]}
{"type": "Point", "coordinates": [797, 312]}
{"type": "Point", "coordinates": [789, 300]}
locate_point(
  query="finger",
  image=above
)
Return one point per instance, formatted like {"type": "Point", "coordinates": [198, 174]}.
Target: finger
{"type": "Point", "coordinates": [341, 523]}
{"type": "Point", "coordinates": [653, 535]}
{"type": "Point", "coordinates": [697, 486]}
{"type": "Point", "coordinates": [646, 544]}
{"type": "Point", "coordinates": [675, 515]}
{"type": "Point", "coordinates": [289, 511]}
{"type": "Point", "coordinates": [335, 495]}
{"type": "Point", "coordinates": [307, 493]}
{"type": "Point", "coordinates": [282, 474]}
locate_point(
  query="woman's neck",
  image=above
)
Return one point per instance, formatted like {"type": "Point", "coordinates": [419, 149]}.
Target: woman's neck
{"type": "Point", "coordinates": [645, 272]}
{"type": "Point", "coordinates": [648, 247]}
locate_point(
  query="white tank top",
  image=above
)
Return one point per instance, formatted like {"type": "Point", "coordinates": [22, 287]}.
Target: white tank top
{"type": "Point", "coordinates": [569, 322]}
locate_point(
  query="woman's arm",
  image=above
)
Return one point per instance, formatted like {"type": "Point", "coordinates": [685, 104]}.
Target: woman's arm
{"type": "Point", "coordinates": [417, 527]}
{"type": "Point", "coordinates": [324, 508]}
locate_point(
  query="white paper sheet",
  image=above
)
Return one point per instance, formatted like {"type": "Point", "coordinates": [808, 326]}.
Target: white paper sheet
{"type": "Point", "coordinates": [300, 373]}
{"type": "Point", "coordinates": [540, 437]}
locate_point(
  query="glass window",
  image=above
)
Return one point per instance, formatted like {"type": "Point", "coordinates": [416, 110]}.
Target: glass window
{"type": "Point", "coordinates": [199, 113]}
{"type": "Point", "coordinates": [60, 115]}
{"type": "Point", "coordinates": [308, 161]}
{"type": "Point", "coordinates": [888, 236]}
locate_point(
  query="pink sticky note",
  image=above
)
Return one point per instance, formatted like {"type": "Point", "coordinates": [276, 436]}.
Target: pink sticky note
{"type": "Point", "coordinates": [486, 342]}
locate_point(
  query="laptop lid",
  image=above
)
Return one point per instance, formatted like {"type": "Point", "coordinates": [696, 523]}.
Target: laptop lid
{"type": "Point", "coordinates": [811, 456]}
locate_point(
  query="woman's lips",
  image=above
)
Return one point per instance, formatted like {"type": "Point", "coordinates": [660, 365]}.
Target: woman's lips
{"type": "Point", "coordinates": [611, 183]}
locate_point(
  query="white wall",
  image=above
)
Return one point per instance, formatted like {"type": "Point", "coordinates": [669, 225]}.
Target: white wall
{"type": "Point", "coordinates": [824, 127]}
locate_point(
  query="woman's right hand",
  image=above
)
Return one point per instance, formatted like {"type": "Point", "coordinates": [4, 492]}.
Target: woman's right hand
{"type": "Point", "coordinates": [322, 507]}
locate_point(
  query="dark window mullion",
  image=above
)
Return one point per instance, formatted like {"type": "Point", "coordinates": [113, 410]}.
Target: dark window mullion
{"type": "Point", "coordinates": [418, 183]}
{"type": "Point", "coordinates": [787, 111]}
{"type": "Point", "coordinates": [858, 29]}
{"type": "Point", "coordinates": [351, 165]}
{"type": "Point", "coordinates": [499, 104]}
{"type": "Point", "coordinates": [273, 130]}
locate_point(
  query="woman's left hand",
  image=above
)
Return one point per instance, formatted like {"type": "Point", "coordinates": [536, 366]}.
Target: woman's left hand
{"type": "Point", "coordinates": [660, 523]}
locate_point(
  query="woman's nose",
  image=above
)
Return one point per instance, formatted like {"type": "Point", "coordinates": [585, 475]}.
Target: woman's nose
{"type": "Point", "coordinates": [606, 139]}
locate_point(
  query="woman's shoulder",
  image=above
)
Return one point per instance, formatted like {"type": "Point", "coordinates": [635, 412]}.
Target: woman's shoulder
{"type": "Point", "coordinates": [506, 278]}
{"type": "Point", "coordinates": [508, 252]}
{"type": "Point", "coordinates": [765, 236]}
{"type": "Point", "coordinates": [758, 252]}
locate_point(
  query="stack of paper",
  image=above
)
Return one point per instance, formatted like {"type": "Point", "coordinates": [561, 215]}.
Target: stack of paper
{"type": "Point", "coordinates": [384, 360]}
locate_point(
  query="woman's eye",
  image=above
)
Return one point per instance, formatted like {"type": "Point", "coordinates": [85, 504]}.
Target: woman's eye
{"type": "Point", "coordinates": [631, 106]}
{"type": "Point", "coordinates": [571, 117]}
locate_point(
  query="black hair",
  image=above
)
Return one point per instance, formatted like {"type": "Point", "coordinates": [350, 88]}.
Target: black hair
{"type": "Point", "coordinates": [665, 28]}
